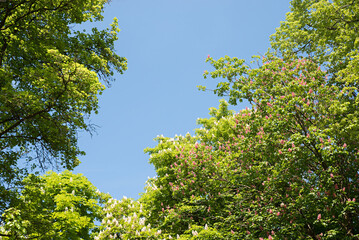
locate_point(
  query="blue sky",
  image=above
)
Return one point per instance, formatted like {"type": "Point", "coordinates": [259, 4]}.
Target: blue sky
{"type": "Point", "coordinates": [166, 43]}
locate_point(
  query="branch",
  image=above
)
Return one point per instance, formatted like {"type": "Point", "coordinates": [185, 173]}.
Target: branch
{"type": "Point", "coordinates": [44, 9]}
{"type": "Point", "coordinates": [24, 119]}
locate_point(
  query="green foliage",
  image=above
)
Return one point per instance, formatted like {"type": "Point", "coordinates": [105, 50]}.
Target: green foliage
{"type": "Point", "coordinates": [325, 31]}
{"type": "Point", "coordinates": [50, 78]}
{"type": "Point", "coordinates": [54, 206]}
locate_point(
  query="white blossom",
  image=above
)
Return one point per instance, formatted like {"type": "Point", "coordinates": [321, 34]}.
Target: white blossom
{"type": "Point", "coordinates": [194, 233]}
{"type": "Point", "coordinates": [142, 221]}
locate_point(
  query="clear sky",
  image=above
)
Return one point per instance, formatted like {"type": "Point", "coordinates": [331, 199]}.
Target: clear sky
{"type": "Point", "coordinates": [166, 43]}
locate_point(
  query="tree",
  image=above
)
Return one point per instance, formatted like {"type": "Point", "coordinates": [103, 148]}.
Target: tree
{"type": "Point", "coordinates": [325, 31]}
{"type": "Point", "coordinates": [284, 168]}
{"type": "Point", "coordinates": [55, 206]}
{"type": "Point", "coordinates": [50, 78]}
{"type": "Point", "coordinates": [126, 219]}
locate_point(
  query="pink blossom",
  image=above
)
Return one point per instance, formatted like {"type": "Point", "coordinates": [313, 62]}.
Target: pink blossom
{"type": "Point", "coordinates": [208, 56]}
{"type": "Point", "coordinates": [293, 94]}
{"type": "Point", "coordinates": [280, 152]}
{"type": "Point", "coordinates": [270, 237]}
{"type": "Point", "coordinates": [345, 145]}
{"type": "Point", "coordinates": [319, 217]}
{"type": "Point", "coordinates": [310, 91]}
{"type": "Point", "coordinates": [289, 149]}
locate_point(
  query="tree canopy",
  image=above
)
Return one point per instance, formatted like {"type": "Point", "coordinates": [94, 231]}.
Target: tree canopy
{"type": "Point", "coordinates": [51, 75]}
{"type": "Point", "coordinates": [54, 206]}
{"type": "Point", "coordinates": [287, 166]}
